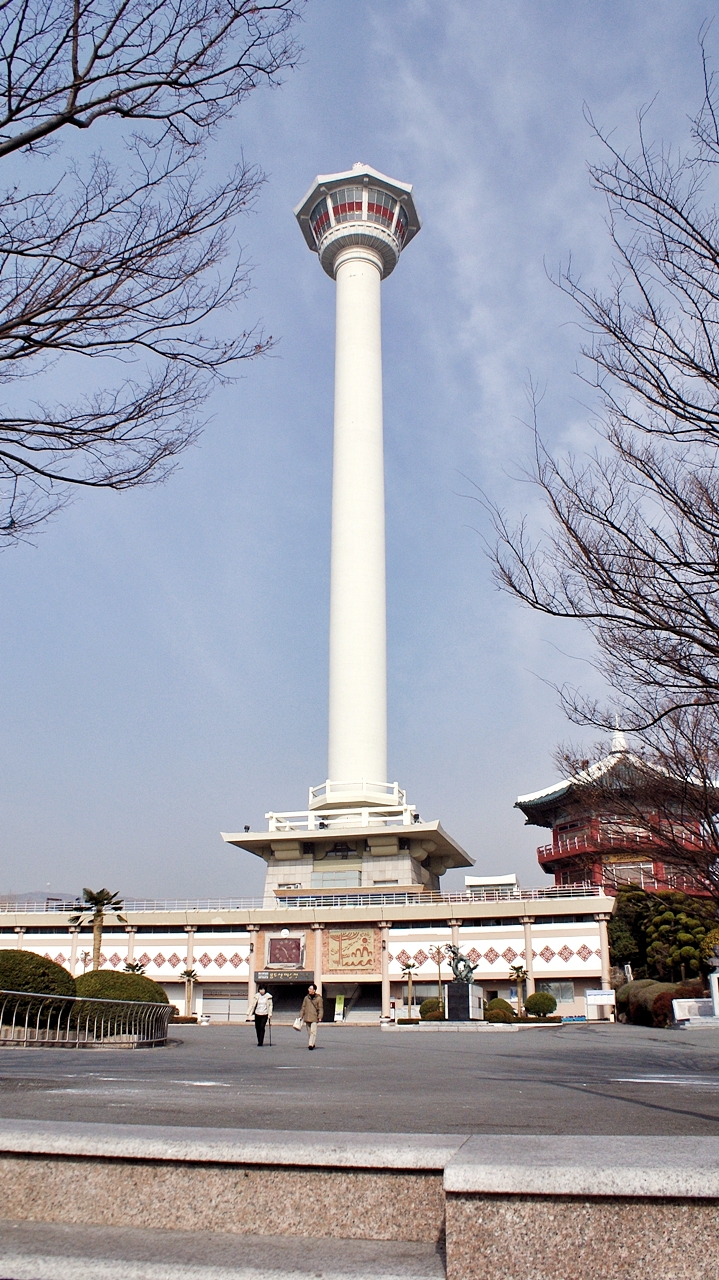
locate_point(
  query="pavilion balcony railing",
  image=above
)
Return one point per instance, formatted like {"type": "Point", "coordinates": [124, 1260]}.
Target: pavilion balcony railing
{"type": "Point", "coordinates": [591, 843]}
{"type": "Point", "coordinates": [644, 878]}
{"type": "Point", "coordinates": [32, 1019]}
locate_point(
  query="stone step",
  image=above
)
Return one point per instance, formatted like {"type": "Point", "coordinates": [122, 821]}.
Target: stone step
{"type": "Point", "coordinates": [53, 1251]}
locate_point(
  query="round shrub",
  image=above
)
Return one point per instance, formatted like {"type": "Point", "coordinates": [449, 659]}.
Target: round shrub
{"type": "Point", "coordinates": [437, 1016]}
{"type": "Point", "coordinates": [25, 971]}
{"type": "Point", "coordinates": [498, 1015]}
{"type": "Point", "coordinates": [662, 1011]}
{"type": "Point", "coordinates": [107, 985]}
{"type": "Point", "coordinates": [499, 1003]}
{"type": "Point", "coordinates": [433, 1005]}
{"type": "Point", "coordinates": [540, 1004]}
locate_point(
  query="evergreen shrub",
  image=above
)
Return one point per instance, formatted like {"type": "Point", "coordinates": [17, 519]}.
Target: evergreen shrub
{"type": "Point", "coordinates": [26, 971]}
{"type": "Point", "coordinates": [499, 1003]}
{"type": "Point", "coordinates": [105, 984]}
{"type": "Point", "coordinates": [498, 1015]}
{"type": "Point", "coordinates": [432, 1007]}
{"type": "Point", "coordinates": [540, 1004]}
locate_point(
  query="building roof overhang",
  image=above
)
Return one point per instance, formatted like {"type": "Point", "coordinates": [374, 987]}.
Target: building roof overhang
{"type": "Point", "coordinates": [619, 773]}
{"type": "Point", "coordinates": [264, 843]}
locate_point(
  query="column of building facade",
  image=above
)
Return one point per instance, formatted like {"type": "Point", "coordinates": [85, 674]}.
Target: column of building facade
{"type": "Point", "coordinates": [190, 930]}
{"type": "Point", "coordinates": [454, 926]}
{"type": "Point", "coordinates": [604, 952]}
{"type": "Point", "coordinates": [20, 936]}
{"type": "Point", "coordinates": [528, 921]}
{"type": "Point", "coordinates": [253, 930]}
{"type": "Point", "coordinates": [317, 930]}
{"type": "Point", "coordinates": [384, 929]}
{"type": "Point", "coordinates": [130, 930]}
{"type": "Point", "coordinates": [74, 931]}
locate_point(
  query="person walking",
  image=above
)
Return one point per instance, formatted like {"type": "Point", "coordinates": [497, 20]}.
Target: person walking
{"type": "Point", "coordinates": [311, 1013]}
{"type": "Point", "coordinates": [261, 1009]}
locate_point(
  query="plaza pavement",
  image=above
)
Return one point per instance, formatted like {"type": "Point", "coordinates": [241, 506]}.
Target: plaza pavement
{"type": "Point", "coordinates": [572, 1079]}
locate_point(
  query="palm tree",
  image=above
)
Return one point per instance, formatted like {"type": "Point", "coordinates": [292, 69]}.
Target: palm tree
{"type": "Point", "coordinates": [97, 904]}
{"type": "Point", "coordinates": [190, 976]}
{"type": "Point", "coordinates": [407, 971]}
{"type": "Point", "coordinates": [134, 966]}
{"type": "Point", "coordinates": [519, 973]}
{"type": "Point", "coordinates": [438, 954]}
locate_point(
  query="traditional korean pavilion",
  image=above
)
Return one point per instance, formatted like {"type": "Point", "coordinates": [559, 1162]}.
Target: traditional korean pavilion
{"type": "Point", "coordinates": [605, 830]}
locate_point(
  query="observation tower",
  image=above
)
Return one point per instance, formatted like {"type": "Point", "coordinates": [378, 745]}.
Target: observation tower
{"type": "Point", "coordinates": [358, 832]}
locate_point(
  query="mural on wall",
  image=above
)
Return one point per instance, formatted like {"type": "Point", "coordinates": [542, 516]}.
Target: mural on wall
{"type": "Point", "coordinates": [352, 951]}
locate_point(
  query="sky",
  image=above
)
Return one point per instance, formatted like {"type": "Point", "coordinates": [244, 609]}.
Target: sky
{"type": "Point", "coordinates": [163, 660]}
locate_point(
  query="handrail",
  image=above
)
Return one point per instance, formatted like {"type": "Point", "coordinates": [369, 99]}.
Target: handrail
{"type": "Point", "coordinates": [375, 898]}
{"type": "Point", "coordinates": [359, 897]}
{"type": "Point", "coordinates": [391, 815]}
{"type": "Point", "coordinates": [639, 840]}
{"type": "Point", "coordinates": [35, 1019]}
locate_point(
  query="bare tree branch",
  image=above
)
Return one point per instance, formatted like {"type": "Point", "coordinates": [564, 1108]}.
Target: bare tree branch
{"type": "Point", "coordinates": [633, 551]}
{"type": "Point", "coordinates": [126, 262]}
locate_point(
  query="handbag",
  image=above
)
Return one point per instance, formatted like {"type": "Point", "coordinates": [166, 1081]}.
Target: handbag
{"type": "Point", "coordinates": [297, 1024]}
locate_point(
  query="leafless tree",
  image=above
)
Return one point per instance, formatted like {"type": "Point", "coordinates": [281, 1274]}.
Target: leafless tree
{"type": "Point", "coordinates": [126, 260]}
{"type": "Point", "coordinates": [633, 552]}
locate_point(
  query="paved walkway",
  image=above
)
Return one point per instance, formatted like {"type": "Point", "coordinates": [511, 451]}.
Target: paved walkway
{"type": "Point", "coordinates": [571, 1079]}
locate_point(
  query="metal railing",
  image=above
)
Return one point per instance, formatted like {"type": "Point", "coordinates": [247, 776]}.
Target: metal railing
{"type": "Point", "coordinates": [596, 843]}
{"type": "Point", "coordinates": [372, 898]}
{"type": "Point", "coordinates": [136, 904]}
{"type": "Point", "coordinates": [32, 1019]}
{"type": "Point", "coordinates": [308, 898]}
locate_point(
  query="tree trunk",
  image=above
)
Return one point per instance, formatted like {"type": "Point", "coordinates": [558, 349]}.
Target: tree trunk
{"type": "Point", "coordinates": [96, 941]}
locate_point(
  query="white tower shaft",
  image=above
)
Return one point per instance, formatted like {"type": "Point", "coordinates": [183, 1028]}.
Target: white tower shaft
{"type": "Point", "coordinates": [358, 627]}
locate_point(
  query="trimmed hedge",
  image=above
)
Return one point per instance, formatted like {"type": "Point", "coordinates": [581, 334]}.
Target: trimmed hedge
{"type": "Point", "coordinates": [498, 1015]}
{"type": "Point", "coordinates": [649, 1004]}
{"type": "Point", "coordinates": [103, 984]}
{"type": "Point", "coordinates": [499, 1003]}
{"type": "Point", "coordinates": [432, 1007]}
{"type": "Point", "coordinates": [26, 971]}
{"type": "Point", "coordinates": [540, 1004]}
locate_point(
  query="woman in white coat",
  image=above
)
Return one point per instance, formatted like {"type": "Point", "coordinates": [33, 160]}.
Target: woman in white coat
{"type": "Point", "coordinates": [261, 1010]}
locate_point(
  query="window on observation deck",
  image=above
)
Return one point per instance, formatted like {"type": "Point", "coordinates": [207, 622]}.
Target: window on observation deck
{"type": "Point", "coordinates": [380, 207]}
{"type": "Point", "coordinates": [347, 204]}
{"type": "Point", "coordinates": [320, 219]}
{"type": "Point", "coordinates": [401, 225]}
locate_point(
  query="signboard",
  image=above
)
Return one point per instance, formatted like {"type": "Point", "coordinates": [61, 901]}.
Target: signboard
{"type": "Point", "coordinates": [600, 997]}
{"type": "Point", "coordinates": [339, 1008]}
{"type": "Point", "coordinates": [267, 976]}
